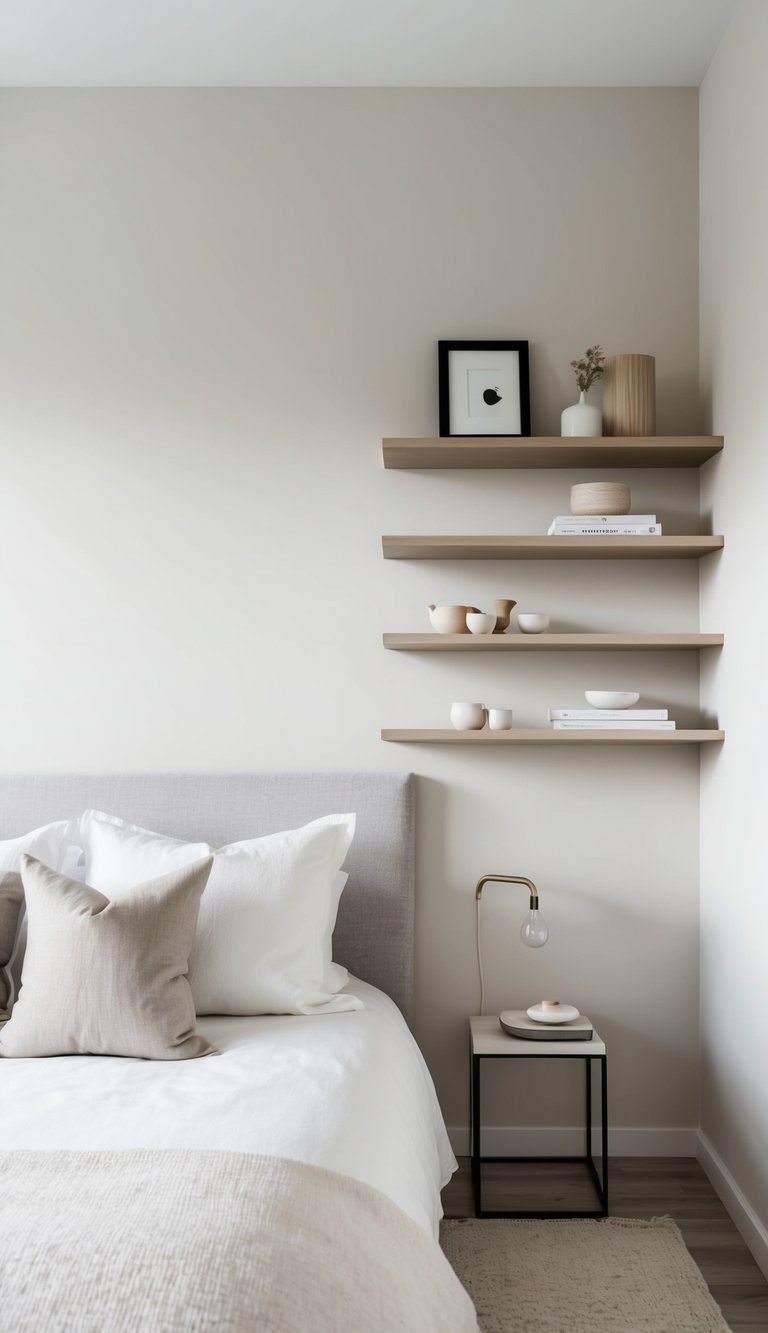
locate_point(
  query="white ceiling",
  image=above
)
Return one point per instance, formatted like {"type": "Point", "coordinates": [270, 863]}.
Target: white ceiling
{"type": "Point", "coordinates": [405, 43]}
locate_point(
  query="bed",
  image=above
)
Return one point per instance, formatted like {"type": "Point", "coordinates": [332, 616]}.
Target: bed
{"type": "Point", "coordinates": [290, 1182]}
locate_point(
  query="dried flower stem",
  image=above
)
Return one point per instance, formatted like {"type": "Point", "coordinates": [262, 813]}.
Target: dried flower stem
{"type": "Point", "coordinates": [589, 368]}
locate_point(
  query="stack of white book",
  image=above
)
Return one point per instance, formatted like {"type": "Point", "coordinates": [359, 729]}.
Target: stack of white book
{"type": "Point", "coordinates": [605, 525]}
{"type": "Point", "coordinates": [610, 719]}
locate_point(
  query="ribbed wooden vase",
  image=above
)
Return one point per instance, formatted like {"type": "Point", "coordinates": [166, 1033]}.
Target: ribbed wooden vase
{"type": "Point", "coordinates": [629, 395]}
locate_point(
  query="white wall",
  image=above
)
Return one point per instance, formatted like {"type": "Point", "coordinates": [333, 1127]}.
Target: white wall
{"type": "Point", "coordinates": [215, 303]}
{"type": "Point", "coordinates": [734, 354]}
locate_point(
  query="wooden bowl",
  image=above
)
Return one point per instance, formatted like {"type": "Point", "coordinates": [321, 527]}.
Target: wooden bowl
{"type": "Point", "coordinates": [600, 497]}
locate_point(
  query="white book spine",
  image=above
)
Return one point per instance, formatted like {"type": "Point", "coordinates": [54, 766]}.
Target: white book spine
{"type": "Point", "coordinates": [641, 530]}
{"type": "Point", "coordinates": [612, 520]}
{"type": "Point", "coordinates": [608, 714]}
{"type": "Point", "coordinates": [613, 726]}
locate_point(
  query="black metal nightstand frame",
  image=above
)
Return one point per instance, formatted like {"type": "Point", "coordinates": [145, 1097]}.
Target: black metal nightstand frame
{"type": "Point", "coordinates": [601, 1185]}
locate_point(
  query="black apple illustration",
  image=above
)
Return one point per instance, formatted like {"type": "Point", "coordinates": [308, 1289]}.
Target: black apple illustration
{"type": "Point", "coordinates": [492, 396]}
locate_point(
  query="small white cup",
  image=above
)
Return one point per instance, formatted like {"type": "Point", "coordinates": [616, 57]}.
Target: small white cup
{"type": "Point", "coordinates": [532, 622]}
{"type": "Point", "coordinates": [479, 623]}
{"type": "Point", "coordinates": [500, 719]}
{"type": "Point", "coordinates": [468, 717]}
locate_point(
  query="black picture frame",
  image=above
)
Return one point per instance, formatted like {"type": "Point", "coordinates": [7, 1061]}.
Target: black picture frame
{"type": "Point", "coordinates": [444, 350]}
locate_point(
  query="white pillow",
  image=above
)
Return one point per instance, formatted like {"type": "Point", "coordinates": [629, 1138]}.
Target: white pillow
{"type": "Point", "coordinates": [51, 845]}
{"type": "Point", "coordinates": [263, 943]}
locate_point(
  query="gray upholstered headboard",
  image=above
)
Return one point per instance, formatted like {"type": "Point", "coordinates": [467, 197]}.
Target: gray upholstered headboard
{"type": "Point", "coordinates": [374, 932]}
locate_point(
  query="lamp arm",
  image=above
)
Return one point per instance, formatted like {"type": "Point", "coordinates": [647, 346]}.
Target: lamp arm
{"type": "Point", "coordinates": [509, 879]}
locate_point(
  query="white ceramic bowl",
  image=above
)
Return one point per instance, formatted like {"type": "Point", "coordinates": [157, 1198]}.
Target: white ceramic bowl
{"type": "Point", "coordinates": [532, 622]}
{"type": "Point", "coordinates": [564, 1013]}
{"type": "Point", "coordinates": [478, 623]}
{"type": "Point", "coordinates": [468, 717]}
{"type": "Point", "coordinates": [611, 698]}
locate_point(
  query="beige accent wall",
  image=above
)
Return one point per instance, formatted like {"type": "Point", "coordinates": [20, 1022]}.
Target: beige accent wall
{"type": "Point", "coordinates": [734, 356]}
{"type": "Point", "coordinates": [215, 304]}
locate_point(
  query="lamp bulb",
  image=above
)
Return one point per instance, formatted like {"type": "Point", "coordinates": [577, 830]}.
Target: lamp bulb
{"type": "Point", "coordinates": [533, 931]}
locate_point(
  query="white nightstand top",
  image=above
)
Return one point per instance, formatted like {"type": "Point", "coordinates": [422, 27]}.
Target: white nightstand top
{"type": "Point", "coordinates": [489, 1038]}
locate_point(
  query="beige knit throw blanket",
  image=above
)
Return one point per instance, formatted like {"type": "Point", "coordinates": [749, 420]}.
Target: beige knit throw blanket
{"type": "Point", "coordinates": [108, 1242]}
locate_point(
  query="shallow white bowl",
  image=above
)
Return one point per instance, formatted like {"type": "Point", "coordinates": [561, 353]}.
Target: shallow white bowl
{"type": "Point", "coordinates": [532, 622]}
{"type": "Point", "coordinates": [611, 698]}
{"type": "Point", "coordinates": [564, 1013]}
{"type": "Point", "coordinates": [478, 623]}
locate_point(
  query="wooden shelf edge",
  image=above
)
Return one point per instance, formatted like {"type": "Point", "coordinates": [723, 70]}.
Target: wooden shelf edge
{"type": "Point", "coordinates": [549, 451]}
{"type": "Point", "coordinates": [531, 643]}
{"type": "Point", "coordinates": [542, 736]}
{"type": "Point", "coordinates": [519, 547]}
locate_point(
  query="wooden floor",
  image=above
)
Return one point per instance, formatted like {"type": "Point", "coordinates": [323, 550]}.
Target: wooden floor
{"type": "Point", "coordinates": [640, 1187]}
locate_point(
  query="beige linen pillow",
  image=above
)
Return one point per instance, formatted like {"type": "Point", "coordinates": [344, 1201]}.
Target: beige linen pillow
{"type": "Point", "coordinates": [107, 978]}
{"type": "Point", "coordinates": [11, 908]}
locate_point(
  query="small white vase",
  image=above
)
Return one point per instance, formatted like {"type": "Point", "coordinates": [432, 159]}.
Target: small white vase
{"type": "Point", "coordinates": [582, 418]}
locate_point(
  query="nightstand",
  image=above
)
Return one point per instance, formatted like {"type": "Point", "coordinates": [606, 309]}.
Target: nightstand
{"type": "Point", "coordinates": [488, 1041]}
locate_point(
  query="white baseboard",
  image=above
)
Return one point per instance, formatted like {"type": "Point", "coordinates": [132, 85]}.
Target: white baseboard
{"type": "Point", "coordinates": [501, 1141]}
{"type": "Point", "coordinates": [743, 1214]}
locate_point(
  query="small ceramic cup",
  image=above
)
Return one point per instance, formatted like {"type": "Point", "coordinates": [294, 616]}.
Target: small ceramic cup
{"type": "Point", "coordinates": [468, 717]}
{"type": "Point", "coordinates": [500, 719]}
{"type": "Point", "coordinates": [532, 622]}
{"type": "Point", "coordinates": [478, 623]}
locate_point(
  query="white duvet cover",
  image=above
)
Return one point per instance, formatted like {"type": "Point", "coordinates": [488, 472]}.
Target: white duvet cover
{"type": "Point", "coordinates": [348, 1091]}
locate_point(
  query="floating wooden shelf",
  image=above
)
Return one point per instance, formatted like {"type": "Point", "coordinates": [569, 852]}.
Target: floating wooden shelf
{"type": "Point", "coordinates": [538, 643]}
{"type": "Point", "coordinates": [542, 736]}
{"type": "Point", "coordinates": [548, 548]}
{"type": "Point", "coordinates": [551, 451]}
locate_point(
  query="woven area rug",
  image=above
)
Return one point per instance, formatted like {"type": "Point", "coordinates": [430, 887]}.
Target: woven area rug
{"type": "Point", "coordinates": [613, 1276]}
